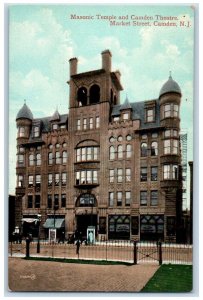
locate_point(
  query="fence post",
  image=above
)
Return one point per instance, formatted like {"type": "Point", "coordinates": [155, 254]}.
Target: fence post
{"type": "Point", "coordinates": [160, 253]}
{"type": "Point", "coordinates": [27, 247]}
{"type": "Point", "coordinates": [135, 252]}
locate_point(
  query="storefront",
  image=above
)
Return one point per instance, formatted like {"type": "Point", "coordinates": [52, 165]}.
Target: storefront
{"type": "Point", "coordinates": [151, 227]}
{"type": "Point", "coordinates": [119, 227]}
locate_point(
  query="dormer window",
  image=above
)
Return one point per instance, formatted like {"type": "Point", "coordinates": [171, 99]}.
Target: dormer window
{"type": "Point", "coordinates": [126, 116]}
{"type": "Point", "coordinates": [55, 126]}
{"type": "Point", "coordinates": [150, 115]}
{"type": "Point", "coordinates": [36, 131]}
{"type": "Point", "coordinates": [116, 119]}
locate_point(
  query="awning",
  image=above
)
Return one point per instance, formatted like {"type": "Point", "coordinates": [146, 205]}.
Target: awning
{"type": "Point", "coordinates": [59, 223]}
{"type": "Point", "coordinates": [29, 220]}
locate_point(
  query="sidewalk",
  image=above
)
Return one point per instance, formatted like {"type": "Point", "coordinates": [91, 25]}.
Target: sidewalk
{"type": "Point", "coordinates": [25, 275]}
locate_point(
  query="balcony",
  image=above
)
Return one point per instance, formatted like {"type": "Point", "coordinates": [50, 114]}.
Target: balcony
{"type": "Point", "coordinates": [85, 184]}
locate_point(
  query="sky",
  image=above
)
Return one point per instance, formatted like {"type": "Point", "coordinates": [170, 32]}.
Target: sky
{"type": "Point", "coordinates": [42, 39]}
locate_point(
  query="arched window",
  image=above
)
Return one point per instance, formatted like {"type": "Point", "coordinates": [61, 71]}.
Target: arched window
{"type": "Point", "coordinates": [64, 157]}
{"type": "Point", "coordinates": [94, 94]}
{"type": "Point", "coordinates": [50, 158]}
{"type": "Point", "coordinates": [38, 157]}
{"type": "Point", "coordinates": [112, 152]}
{"type": "Point", "coordinates": [120, 151]}
{"type": "Point", "coordinates": [144, 149]}
{"type": "Point", "coordinates": [82, 96]}
{"type": "Point", "coordinates": [58, 159]}
{"type": "Point", "coordinates": [154, 149]}
{"type": "Point", "coordinates": [128, 151]}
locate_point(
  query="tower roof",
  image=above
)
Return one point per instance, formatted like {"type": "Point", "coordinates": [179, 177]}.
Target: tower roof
{"type": "Point", "coordinates": [24, 113]}
{"type": "Point", "coordinates": [170, 86]}
{"type": "Point", "coordinates": [126, 104]}
{"type": "Point", "coordinates": [56, 116]}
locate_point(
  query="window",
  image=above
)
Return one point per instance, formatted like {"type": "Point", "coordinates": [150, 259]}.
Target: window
{"type": "Point", "coordinates": [91, 123]}
{"type": "Point", "coordinates": [87, 154]}
{"type": "Point", "coordinates": [64, 145]}
{"type": "Point", "coordinates": [128, 151]}
{"type": "Point", "coordinates": [31, 160]}
{"type": "Point", "coordinates": [49, 201]}
{"type": "Point", "coordinates": [111, 199]}
{"type": "Point", "coordinates": [55, 126]}
{"type": "Point", "coordinates": [38, 161]}
{"type": "Point", "coordinates": [94, 94]}
{"type": "Point", "coordinates": [57, 145]}
{"type": "Point", "coordinates": [64, 157]}
{"type": "Point", "coordinates": [112, 139]}
{"type": "Point", "coordinates": [112, 152]}
{"type": "Point", "coordinates": [120, 151]}
{"type": "Point", "coordinates": [127, 198]}
{"type": "Point", "coordinates": [84, 123]}
{"type": "Point", "coordinates": [57, 179]}
{"type": "Point", "coordinates": [56, 201]}
{"type": "Point", "coordinates": [63, 178]}
{"type": "Point", "coordinates": [143, 174]}
{"type": "Point", "coordinates": [111, 176]}
{"type": "Point", "coordinates": [167, 133]}
{"type": "Point", "coordinates": [144, 136]}
{"type": "Point", "coordinates": [116, 119]}
{"type": "Point", "coordinates": [154, 198]}
{"type": "Point", "coordinates": [20, 159]}
{"type": "Point", "coordinates": [154, 135]}
{"type": "Point", "coordinates": [171, 110]}
{"type": "Point", "coordinates": [50, 146]}
{"type": "Point", "coordinates": [50, 158]}
{"type": "Point", "coordinates": [63, 126]}
{"type": "Point", "coordinates": [63, 200]}
{"type": "Point", "coordinates": [154, 149]}
{"type": "Point", "coordinates": [58, 158]}
{"type": "Point", "coordinates": [82, 96]}
{"type": "Point", "coordinates": [97, 122]}
{"type": "Point", "coordinates": [21, 131]}
{"type": "Point", "coordinates": [119, 198]}
{"type": "Point", "coordinates": [175, 133]}
{"type": "Point", "coordinates": [120, 138]}
{"type": "Point", "coordinates": [128, 137]}
{"type": "Point", "coordinates": [143, 198]}
{"type": "Point", "coordinates": [86, 200]}
{"type": "Point", "coordinates": [166, 171]}
{"type": "Point", "coordinates": [171, 146]}
{"type": "Point", "coordinates": [29, 201]}
{"type": "Point", "coordinates": [36, 131]}
{"type": "Point", "coordinates": [175, 172]}
{"type": "Point", "coordinates": [127, 175]}
{"type": "Point", "coordinates": [144, 149]}
{"type": "Point", "coordinates": [154, 173]}
{"type": "Point", "coordinates": [170, 172]}
{"type": "Point", "coordinates": [87, 177]}
{"type": "Point", "coordinates": [175, 147]}
{"type": "Point", "coordinates": [126, 116]}
{"type": "Point", "coordinates": [38, 180]}
{"type": "Point", "coordinates": [50, 179]}
{"type": "Point", "coordinates": [167, 146]}
{"type": "Point", "coordinates": [37, 201]}
{"type": "Point", "coordinates": [20, 181]}
{"type": "Point", "coordinates": [78, 124]}
{"type": "Point", "coordinates": [150, 115]}
{"type": "Point", "coordinates": [30, 180]}
{"type": "Point", "coordinates": [119, 175]}
{"type": "Point", "coordinates": [21, 149]}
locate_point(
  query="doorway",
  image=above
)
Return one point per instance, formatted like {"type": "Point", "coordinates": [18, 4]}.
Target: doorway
{"type": "Point", "coordinates": [83, 221]}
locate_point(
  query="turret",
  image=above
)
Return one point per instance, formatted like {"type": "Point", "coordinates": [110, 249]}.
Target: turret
{"type": "Point", "coordinates": [24, 122]}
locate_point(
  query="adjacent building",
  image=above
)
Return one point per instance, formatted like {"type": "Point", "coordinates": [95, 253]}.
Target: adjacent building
{"type": "Point", "coordinates": [113, 166]}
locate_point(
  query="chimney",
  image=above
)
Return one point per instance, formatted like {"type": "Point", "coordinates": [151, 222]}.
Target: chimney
{"type": "Point", "coordinates": [118, 75]}
{"type": "Point", "coordinates": [73, 66]}
{"type": "Point", "coordinates": [106, 60]}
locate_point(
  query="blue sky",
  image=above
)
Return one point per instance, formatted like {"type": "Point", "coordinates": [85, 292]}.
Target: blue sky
{"type": "Point", "coordinates": [42, 39]}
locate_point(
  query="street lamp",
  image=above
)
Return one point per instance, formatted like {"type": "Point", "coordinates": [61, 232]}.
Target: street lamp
{"type": "Point", "coordinates": [38, 241]}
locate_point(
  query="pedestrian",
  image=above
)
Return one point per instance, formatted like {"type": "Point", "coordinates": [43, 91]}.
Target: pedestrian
{"type": "Point", "coordinates": [77, 246]}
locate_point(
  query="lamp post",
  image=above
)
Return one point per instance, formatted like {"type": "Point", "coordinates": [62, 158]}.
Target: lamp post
{"type": "Point", "coordinates": [56, 206]}
{"type": "Point", "coordinates": [38, 241]}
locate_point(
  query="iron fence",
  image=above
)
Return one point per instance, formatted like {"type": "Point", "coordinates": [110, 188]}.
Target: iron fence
{"type": "Point", "coordinates": [122, 251]}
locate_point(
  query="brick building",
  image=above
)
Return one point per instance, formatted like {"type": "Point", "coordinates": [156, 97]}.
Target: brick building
{"type": "Point", "coordinates": [105, 164]}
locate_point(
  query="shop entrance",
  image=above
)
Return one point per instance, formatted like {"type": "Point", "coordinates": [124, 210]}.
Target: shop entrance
{"type": "Point", "coordinates": [83, 221]}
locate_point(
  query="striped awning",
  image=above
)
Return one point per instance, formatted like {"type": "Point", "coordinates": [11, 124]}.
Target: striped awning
{"type": "Point", "coordinates": [59, 223]}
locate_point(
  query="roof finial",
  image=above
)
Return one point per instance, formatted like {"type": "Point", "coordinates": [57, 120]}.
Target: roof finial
{"type": "Point", "coordinates": [170, 74]}
{"type": "Point", "coordinates": [24, 101]}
